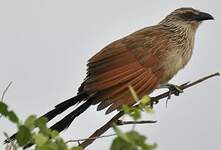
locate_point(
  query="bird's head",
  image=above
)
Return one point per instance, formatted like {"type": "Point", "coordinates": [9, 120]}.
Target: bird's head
{"type": "Point", "coordinates": [186, 17]}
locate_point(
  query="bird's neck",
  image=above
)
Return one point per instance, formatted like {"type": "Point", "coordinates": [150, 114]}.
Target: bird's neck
{"type": "Point", "coordinates": [184, 34]}
{"type": "Point", "coordinates": [181, 43]}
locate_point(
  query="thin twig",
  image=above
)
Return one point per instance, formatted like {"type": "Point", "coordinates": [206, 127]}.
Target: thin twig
{"type": "Point", "coordinates": [121, 122]}
{"type": "Point", "coordinates": [184, 86]}
{"type": "Point", "coordinates": [102, 130]}
{"type": "Point", "coordinates": [5, 91]}
{"type": "Point", "coordinates": [92, 138]}
{"type": "Point", "coordinates": [109, 124]}
{"type": "Point", "coordinates": [11, 143]}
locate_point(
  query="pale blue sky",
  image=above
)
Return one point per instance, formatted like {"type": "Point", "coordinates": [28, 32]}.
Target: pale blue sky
{"type": "Point", "coordinates": [45, 44]}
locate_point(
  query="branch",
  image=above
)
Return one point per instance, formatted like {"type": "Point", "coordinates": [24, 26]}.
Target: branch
{"type": "Point", "coordinates": [11, 145]}
{"type": "Point", "coordinates": [184, 86]}
{"type": "Point", "coordinates": [109, 124]}
{"type": "Point", "coordinates": [121, 122]}
{"type": "Point", "coordinates": [91, 138]}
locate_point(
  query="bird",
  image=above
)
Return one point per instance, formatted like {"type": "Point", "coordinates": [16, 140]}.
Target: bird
{"type": "Point", "coordinates": [145, 60]}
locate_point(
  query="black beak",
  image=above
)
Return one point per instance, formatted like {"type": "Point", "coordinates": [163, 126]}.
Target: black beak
{"type": "Point", "coordinates": [204, 16]}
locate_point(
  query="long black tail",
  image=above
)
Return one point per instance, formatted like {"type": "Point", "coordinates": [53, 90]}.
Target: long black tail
{"type": "Point", "coordinates": [61, 107]}
{"type": "Point", "coordinates": [67, 120]}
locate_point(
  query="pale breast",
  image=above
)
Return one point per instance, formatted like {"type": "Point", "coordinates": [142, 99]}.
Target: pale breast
{"type": "Point", "coordinates": [179, 53]}
{"type": "Point", "coordinates": [175, 61]}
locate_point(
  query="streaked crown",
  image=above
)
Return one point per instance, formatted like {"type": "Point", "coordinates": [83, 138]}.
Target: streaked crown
{"type": "Point", "coordinates": [187, 15]}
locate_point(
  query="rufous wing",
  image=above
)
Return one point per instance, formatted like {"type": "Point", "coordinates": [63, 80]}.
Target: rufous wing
{"type": "Point", "coordinates": [123, 63]}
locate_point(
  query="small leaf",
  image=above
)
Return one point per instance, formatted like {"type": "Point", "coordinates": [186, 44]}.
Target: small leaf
{"type": "Point", "coordinates": [50, 146]}
{"type": "Point", "coordinates": [77, 148]}
{"type": "Point", "coordinates": [54, 134]}
{"type": "Point", "coordinates": [13, 117]}
{"type": "Point", "coordinates": [29, 122]}
{"type": "Point", "coordinates": [60, 144]}
{"type": "Point", "coordinates": [9, 114]}
{"type": "Point", "coordinates": [120, 144]}
{"type": "Point", "coordinates": [3, 108]}
{"type": "Point", "coordinates": [40, 139]}
{"type": "Point", "coordinates": [137, 142]}
{"type": "Point", "coordinates": [135, 114]}
{"type": "Point", "coordinates": [145, 100]}
{"type": "Point", "coordinates": [126, 108]}
{"type": "Point", "coordinates": [140, 140]}
{"type": "Point", "coordinates": [41, 124]}
{"type": "Point", "coordinates": [23, 135]}
{"type": "Point", "coordinates": [121, 134]}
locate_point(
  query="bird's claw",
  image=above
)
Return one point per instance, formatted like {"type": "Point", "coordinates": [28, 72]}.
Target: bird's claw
{"type": "Point", "coordinates": [176, 89]}
{"type": "Point", "coordinates": [153, 102]}
{"type": "Point", "coordinates": [173, 89]}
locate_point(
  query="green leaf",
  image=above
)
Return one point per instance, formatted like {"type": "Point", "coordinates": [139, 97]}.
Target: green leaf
{"type": "Point", "coordinates": [140, 140]}
{"type": "Point", "coordinates": [54, 134]}
{"type": "Point", "coordinates": [3, 108]}
{"type": "Point", "coordinates": [49, 146]}
{"type": "Point", "coordinates": [40, 139]}
{"type": "Point", "coordinates": [136, 137]}
{"type": "Point", "coordinates": [60, 144]}
{"type": "Point", "coordinates": [10, 114]}
{"type": "Point", "coordinates": [121, 134]}
{"type": "Point", "coordinates": [126, 109]}
{"type": "Point", "coordinates": [13, 117]}
{"type": "Point", "coordinates": [144, 104]}
{"type": "Point", "coordinates": [41, 124]}
{"type": "Point", "coordinates": [29, 122]}
{"type": "Point", "coordinates": [145, 100]}
{"type": "Point", "coordinates": [44, 148]}
{"type": "Point", "coordinates": [137, 142]}
{"type": "Point", "coordinates": [120, 144]}
{"type": "Point", "coordinates": [135, 113]}
{"type": "Point", "coordinates": [77, 148]}
{"type": "Point", "coordinates": [23, 135]}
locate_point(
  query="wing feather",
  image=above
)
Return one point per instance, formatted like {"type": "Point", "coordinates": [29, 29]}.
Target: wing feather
{"type": "Point", "coordinates": [134, 60]}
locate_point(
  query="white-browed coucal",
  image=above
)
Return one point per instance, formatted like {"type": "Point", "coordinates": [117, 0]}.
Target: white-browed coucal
{"type": "Point", "coordinates": [144, 60]}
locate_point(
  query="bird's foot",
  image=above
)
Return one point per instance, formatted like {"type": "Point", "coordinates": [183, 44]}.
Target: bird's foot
{"type": "Point", "coordinates": [173, 89]}
{"type": "Point", "coordinates": [153, 102]}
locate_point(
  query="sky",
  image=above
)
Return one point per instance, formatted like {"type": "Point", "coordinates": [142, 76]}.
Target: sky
{"type": "Point", "coordinates": [45, 45]}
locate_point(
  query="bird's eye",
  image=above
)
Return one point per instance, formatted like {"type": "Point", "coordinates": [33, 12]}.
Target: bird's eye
{"type": "Point", "coordinates": [188, 16]}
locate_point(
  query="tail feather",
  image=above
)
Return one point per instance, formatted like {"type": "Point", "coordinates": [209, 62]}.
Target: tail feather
{"type": "Point", "coordinates": [72, 101]}
{"type": "Point", "coordinates": [61, 107]}
{"type": "Point", "coordinates": [68, 119]}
